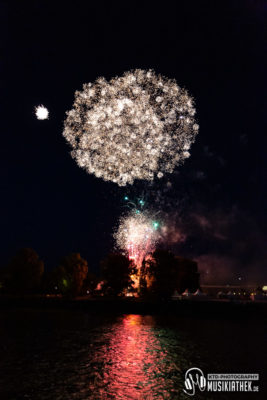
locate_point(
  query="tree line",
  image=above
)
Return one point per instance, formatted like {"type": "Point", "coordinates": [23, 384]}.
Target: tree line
{"type": "Point", "coordinates": [158, 277]}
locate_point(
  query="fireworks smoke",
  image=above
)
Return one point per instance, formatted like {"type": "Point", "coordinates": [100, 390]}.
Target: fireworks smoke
{"type": "Point", "coordinates": [137, 126]}
{"type": "Point", "coordinates": [137, 235]}
{"type": "Point", "coordinates": [41, 112]}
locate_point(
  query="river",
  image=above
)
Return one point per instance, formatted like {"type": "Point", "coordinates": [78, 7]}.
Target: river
{"type": "Point", "coordinates": [73, 354]}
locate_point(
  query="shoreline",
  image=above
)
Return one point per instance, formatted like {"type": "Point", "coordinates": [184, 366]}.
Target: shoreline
{"type": "Point", "coordinates": [207, 307]}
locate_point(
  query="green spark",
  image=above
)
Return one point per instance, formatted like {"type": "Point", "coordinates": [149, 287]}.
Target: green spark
{"type": "Point", "coordinates": [156, 224]}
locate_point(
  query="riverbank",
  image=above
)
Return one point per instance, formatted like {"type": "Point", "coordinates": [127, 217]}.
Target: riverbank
{"type": "Point", "coordinates": [137, 306]}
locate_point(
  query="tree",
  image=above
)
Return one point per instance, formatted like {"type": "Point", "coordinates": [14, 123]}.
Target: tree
{"type": "Point", "coordinates": [90, 283]}
{"type": "Point", "coordinates": [164, 272]}
{"type": "Point", "coordinates": [116, 272]}
{"type": "Point", "coordinates": [142, 290]}
{"type": "Point", "coordinates": [24, 272]}
{"type": "Point", "coordinates": [58, 281]}
{"type": "Point", "coordinates": [187, 275]}
{"type": "Point", "coordinates": [72, 272]}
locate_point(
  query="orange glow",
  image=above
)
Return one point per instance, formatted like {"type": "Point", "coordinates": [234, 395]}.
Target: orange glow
{"type": "Point", "coordinates": [135, 279]}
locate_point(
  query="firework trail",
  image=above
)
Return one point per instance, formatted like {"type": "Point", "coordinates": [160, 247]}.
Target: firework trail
{"type": "Point", "coordinates": [138, 126]}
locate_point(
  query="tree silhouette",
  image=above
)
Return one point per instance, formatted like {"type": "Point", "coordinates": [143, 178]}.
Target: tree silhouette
{"type": "Point", "coordinates": [24, 272]}
{"type": "Point", "coordinates": [72, 271]}
{"type": "Point", "coordinates": [116, 272]}
{"type": "Point", "coordinates": [58, 281]}
{"type": "Point", "coordinates": [90, 283]}
{"type": "Point", "coordinates": [164, 272]}
{"type": "Point", "coordinates": [187, 275]}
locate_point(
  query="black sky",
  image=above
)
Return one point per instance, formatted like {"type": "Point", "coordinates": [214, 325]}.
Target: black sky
{"type": "Point", "coordinates": [214, 49]}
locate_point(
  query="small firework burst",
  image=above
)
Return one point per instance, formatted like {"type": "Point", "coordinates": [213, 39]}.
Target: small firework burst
{"type": "Point", "coordinates": [41, 112]}
{"type": "Point", "coordinates": [137, 235]}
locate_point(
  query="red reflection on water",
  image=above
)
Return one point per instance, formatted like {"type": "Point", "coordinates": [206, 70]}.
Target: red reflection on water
{"type": "Point", "coordinates": [134, 365]}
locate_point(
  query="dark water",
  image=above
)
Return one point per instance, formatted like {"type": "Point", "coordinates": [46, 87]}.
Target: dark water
{"type": "Point", "coordinates": [74, 355]}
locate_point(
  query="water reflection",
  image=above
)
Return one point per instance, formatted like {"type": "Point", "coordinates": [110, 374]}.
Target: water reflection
{"type": "Point", "coordinates": [67, 355]}
{"type": "Point", "coordinates": [136, 364]}
{"type": "Point", "coordinates": [72, 355]}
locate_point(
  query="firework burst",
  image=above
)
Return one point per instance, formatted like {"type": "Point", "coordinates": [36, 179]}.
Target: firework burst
{"type": "Point", "coordinates": [138, 126]}
{"type": "Point", "coordinates": [41, 112]}
{"type": "Point", "coordinates": [137, 235]}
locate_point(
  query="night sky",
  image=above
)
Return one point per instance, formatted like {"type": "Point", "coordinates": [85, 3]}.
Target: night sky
{"type": "Point", "coordinates": [217, 199]}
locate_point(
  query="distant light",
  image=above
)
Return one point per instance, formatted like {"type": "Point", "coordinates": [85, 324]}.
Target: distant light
{"type": "Point", "coordinates": [264, 288]}
{"type": "Point", "coordinates": [65, 282]}
{"type": "Point", "coordinates": [41, 112]}
{"type": "Point", "coordinates": [87, 291]}
{"type": "Point", "coordinates": [126, 198]}
{"type": "Point", "coordinates": [239, 278]}
{"type": "Point", "coordinates": [56, 287]}
{"type": "Point", "coordinates": [141, 202]}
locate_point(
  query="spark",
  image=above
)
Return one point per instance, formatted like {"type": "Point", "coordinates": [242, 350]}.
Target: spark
{"type": "Point", "coordinates": [41, 112]}
{"type": "Point", "coordinates": [156, 224]}
{"type": "Point", "coordinates": [137, 126]}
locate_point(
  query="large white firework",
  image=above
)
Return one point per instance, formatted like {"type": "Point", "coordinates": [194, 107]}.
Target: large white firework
{"type": "Point", "coordinates": [137, 126]}
{"type": "Point", "coordinates": [137, 235]}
